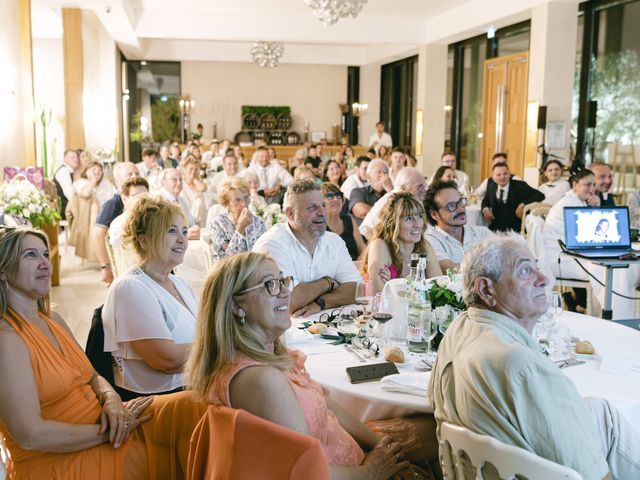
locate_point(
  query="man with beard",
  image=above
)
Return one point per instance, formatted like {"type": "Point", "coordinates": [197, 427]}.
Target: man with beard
{"type": "Point", "coordinates": [323, 273]}
{"type": "Point", "coordinates": [604, 182]}
{"type": "Point", "coordinates": [449, 234]}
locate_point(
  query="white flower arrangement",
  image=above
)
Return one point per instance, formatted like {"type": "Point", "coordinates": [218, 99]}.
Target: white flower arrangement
{"type": "Point", "coordinates": [270, 214]}
{"type": "Point", "coordinates": [20, 198]}
{"type": "Point", "coordinates": [447, 291]}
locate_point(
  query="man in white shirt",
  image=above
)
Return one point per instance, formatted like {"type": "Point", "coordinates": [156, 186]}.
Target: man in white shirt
{"type": "Point", "coordinates": [380, 137]}
{"type": "Point", "coordinates": [273, 178]}
{"type": "Point", "coordinates": [63, 178]}
{"type": "Point", "coordinates": [449, 234]}
{"type": "Point", "coordinates": [229, 169]}
{"type": "Point", "coordinates": [358, 179]}
{"type": "Point", "coordinates": [149, 169]}
{"type": "Point", "coordinates": [170, 189]}
{"type": "Point", "coordinates": [409, 179]}
{"type": "Point", "coordinates": [324, 274]}
{"type": "Point", "coordinates": [448, 159]}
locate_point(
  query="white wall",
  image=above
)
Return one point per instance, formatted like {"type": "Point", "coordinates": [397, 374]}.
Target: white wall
{"type": "Point", "coordinates": [221, 88]}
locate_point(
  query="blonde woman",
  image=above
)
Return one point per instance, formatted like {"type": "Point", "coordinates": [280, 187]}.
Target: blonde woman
{"type": "Point", "coordinates": [149, 316]}
{"type": "Point", "coordinates": [93, 184]}
{"type": "Point", "coordinates": [235, 229]}
{"type": "Point", "coordinates": [239, 361]}
{"type": "Point", "coordinates": [193, 189]}
{"type": "Point", "coordinates": [399, 233]}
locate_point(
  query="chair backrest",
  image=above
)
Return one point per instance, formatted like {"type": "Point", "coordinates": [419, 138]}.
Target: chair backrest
{"type": "Point", "coordinates": [207, 253]}
{"type": "Point", "coordinates": [632, 323]}
{"type": "Point", "coordinates": [535, 242]}
{"type": "Point", "coordinates": [461, 449]}
{"type": "Point", "coordinates": [538, 209]}
{"type": "Point", "coordinates": [121, 259]}
{"type": "Point", "coordinates": [230, 444]}
{"type": "Point", "coordinates": [101, 360]}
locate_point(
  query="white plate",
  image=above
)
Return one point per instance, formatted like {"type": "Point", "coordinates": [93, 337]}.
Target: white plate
{"type": "Point", "coordinates": [585, 356]}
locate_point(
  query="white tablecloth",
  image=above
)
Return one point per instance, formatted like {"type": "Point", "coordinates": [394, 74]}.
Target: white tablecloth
{"type": "Point", "coordinates": [367, 401]}
{"type": "Point", "coordinates": [193, 268]}
{"type": "Point", "coordinates": [474, 216]}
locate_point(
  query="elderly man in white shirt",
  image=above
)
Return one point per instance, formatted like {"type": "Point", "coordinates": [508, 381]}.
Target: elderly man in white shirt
{"type": "Point", "coordinates": [319, 262]}
{"type": "Point", "coordinates": [273, 178]}
{"type": "Point", "coordinates": [449, 234]}
{"type": "Point", "coordinates": [409, 179]}
{"type": "Point", "coordinates": [170, 189]}
{"type": "Point", "coordinates": [357, 179]}
{"type": "Point", "coordinates": [380, 137]}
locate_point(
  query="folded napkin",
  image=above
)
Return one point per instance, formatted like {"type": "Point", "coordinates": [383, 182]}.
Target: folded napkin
{"type": "Point", "coordinates": [297, 336]}
{"type": "Point", "coordinates": [414, 383]}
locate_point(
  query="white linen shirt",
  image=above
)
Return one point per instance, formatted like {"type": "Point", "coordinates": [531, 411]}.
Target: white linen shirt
{"type": "Point", "coordinates": [352, 181]}
{"type": "Point", "coordinates": [447, 247]}
{"type": "Point", "coordinates": [554, 191]}
{"type": "Point", "coordinates": [385, 139]}
{"type": "Point", "coordinates": [372, 218]}
{"type": "Point", "coordinates": [181, 202]}
{"type": "Point", "coordinates": [330, 258]}
{"type": "Point", "coordinates": [271, 176]}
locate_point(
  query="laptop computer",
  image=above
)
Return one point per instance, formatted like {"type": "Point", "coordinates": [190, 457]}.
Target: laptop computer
{"type": "Point", "coordinates": [597, 232]}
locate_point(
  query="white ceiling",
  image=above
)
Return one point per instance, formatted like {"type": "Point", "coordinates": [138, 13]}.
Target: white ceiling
{"type": "Point", "coordinates": [225, 29]}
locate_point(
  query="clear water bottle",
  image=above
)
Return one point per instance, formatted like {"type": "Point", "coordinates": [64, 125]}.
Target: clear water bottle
{"type": "Point", "coordinates": [419, 312]}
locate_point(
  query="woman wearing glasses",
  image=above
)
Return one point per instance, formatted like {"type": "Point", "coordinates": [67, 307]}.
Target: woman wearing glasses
{"type": "Point", "coordinates": [238, 360]}
{"type": "Point", "coordinates": [399, 233]}
{"type": "Point", "coordinates": [340, 222]}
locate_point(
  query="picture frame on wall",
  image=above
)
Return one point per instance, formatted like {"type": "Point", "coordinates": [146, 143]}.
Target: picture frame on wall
{"type": "Point", "coordinates": [318, 136]}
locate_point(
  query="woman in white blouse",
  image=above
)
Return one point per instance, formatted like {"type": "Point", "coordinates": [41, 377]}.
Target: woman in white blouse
{"type": "Point", "coordinates": [149, 316]}
{"type": "Point", "coordinates": [555, 186]}
{"type": "Point", "coordinates": [193, 189]}
{"type": "Point", "coordinates": [93, 184]}
{"type": "Point", "coordinates": [235, 229]}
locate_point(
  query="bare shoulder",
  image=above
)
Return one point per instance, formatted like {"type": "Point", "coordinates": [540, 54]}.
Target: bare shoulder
{"type": "Point", "coordinates": [56, 317]}
{"type": "Point", "coordinates": [259, 377]}
{"type": "Point", "coordinates": [13, 348]}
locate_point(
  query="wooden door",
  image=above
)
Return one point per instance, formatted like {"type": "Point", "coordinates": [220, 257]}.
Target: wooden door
{"type": "Point", "coordinates": [504, 118]}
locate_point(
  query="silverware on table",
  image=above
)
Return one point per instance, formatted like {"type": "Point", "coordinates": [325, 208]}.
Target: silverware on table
{"type": "Point", "coordinates": [352, 350]}
{"type": "Point", "coordinates": [570, 362]}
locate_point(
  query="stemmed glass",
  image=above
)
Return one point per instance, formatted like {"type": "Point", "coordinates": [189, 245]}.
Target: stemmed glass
{"type": "Point", "coordinates": [364, 295]}
{"type": "Point", "coordinates": [381, 313]}
{"type": "Point", "coordinates": [548, 320]}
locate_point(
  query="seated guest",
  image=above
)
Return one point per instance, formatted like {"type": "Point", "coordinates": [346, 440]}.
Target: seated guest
{"type": "Point", "coordinates": [256, 199]}
{"type": "Point", "coordinates": [149, 315]}
{"type": "Point", "coordinates": [304, 172]}
{"type": "Point", "coordinates": [239, 361]}
{"type": "Point", "coordinates": [364, 198]}
{"type": "Point", "coordinates": [371, 153]}
{"type": "Point", "coordinates": [165, 161]}
{"type": "Point", "coordinates": [444, 174]}
{"type": "Point", "coordinates": [358, 179]}
{"type": "Point", "coordinates": [339, 222]}
{"type": "Point", "coordinates": [175, 155]}
{"type": "Point", "coordinates": [383, 153]}
{"type": "Point", "coordinates": [482, 188]}
{"type": "Point", "coordinates": [237, 152]}
{"type": "Point", "coordinates": [170, 189]}
{"type": "Point", "coordinates": [448, 159]}
{"type": "Point", "coordinates": [92, 184]}
{"type": "Point", "coordinates": [333, 173]}
{"type": "Point", "coordinates": [229, 169]}
{"type": "Point", "coordinates": [491, 376]}
{"type": "Point", "coordinates": [193, 189]}
{"type": "Point", "coordinates": [273, 178]}
{"type": "Point", "coordinates": [399, 233]}
{"type": "Point", "coordinates": [504, 202]}
{"type": "Point", "coordinates": [449, 235]}
{"type": "Point", "coordinates": [60, 419]}
{"type": "Point", "coordinates": [130, 190]}
{"type": "Point", "coordinates": [380, 138]}
{"type": "Point", "coordinates": [63, 178]}
{"type": "Point", "coordinates": [313, 160]}
{"type": "Point", "coordinates": [319, 262]}
{"type": "Point", "coordinates": [110, 210]}
{"type": "Point", "coordinates": [555, 186]}
{"type": "Point", "coordinates": [149, 169]}
{"type": "Point", "coordinates": [604, 183]}
{"type": "Point", "coordinates": [633, 202]}
{"type": "Point", "coordinates": [409, 179]}
{"type": "Point", "coordinates": [235, 229]}
{"type": "Point", "coordinates": [397, 161]}
{"type": "Point", "coordinates": [297, 160]}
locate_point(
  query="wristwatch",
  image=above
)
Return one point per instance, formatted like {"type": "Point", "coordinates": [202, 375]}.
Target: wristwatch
{"type": "Point", "coordinates": [321, 303]}
{"type": "Point", "coordinates": [105, 266]}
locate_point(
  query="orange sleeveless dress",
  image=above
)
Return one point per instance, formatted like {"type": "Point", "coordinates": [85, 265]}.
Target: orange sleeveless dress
{"type": "Point", "coordinates": [157, 449]}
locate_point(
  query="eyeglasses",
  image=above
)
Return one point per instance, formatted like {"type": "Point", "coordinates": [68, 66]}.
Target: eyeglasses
{"type": "Point", "coordinates": [332, 195]}
{"type": "Point", "coordinates": [453, 206]}
{"type": "Point", "coordinates": [273, 286]}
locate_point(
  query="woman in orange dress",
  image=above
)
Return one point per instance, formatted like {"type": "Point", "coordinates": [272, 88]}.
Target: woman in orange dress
{"type": "Point", "coordinates": [237, 360]}
{"type": "Point", "coordinates": [59, 418]}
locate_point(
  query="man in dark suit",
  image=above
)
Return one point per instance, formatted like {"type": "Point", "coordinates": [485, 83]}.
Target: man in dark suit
{"type": "Point", "coordinates": [604, 182]}
{"type": "Point", "coordinates": [505, 200]}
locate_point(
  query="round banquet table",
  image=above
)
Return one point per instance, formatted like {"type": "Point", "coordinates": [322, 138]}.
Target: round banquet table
{"type": "Point", "coordinates": [326, 364]}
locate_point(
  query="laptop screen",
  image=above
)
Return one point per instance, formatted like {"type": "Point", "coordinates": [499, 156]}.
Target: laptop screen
{"type": "Point", "coordinates": [588, 227]}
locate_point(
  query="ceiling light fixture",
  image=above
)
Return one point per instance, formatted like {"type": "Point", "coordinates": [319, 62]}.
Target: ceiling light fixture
{"type": "Point", "coordinates": [267, 54]}
{"type": "Point", "coordinates": [330, 11]}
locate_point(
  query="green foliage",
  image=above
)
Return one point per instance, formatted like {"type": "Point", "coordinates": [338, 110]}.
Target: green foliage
{"type": "Point", "coordinates": [275, 111]}
{"type": "Point", "coordinates": [165, 120]}
{"type": "Point", "coordinates": [441, 296]}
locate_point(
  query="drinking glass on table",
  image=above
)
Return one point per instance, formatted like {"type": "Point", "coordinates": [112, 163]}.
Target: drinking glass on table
{"type": "Point", "coordinates": [381, 313]}
{"type": "Point", "coordinates": [363, 294]}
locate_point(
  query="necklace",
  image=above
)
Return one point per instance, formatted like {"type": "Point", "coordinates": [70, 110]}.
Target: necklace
{"type": "Point", "coordinates": [156, 278]}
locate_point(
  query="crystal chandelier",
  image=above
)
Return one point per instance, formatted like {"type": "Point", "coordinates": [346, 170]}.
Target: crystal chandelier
{"type": "Point", "coordinates": [330, 11]}
{"type": "Point", "coordinates": [267, 54]}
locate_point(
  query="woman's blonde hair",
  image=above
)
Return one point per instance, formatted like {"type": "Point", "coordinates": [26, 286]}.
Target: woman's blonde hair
{"type": "Point", "coordinates": [189, 160]}
{"type": "Point", "coordinates": [220, 335]}
{"type": "Point", "coordinates": [229, 184]}
{"type": "Point", "coordinates": [400, 205]}
{"type": "Point", "coordinates": [10, 249]}
{"type": "Point", "coordinates": [91, 165]}
{"type": "Point", "coordinates": [150, 218]}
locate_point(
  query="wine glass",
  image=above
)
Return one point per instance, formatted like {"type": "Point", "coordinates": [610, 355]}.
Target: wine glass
{"type": "Point", "coordinates": [555, 304]}
{"type": "Point", "coordinates": [381, 313]}
{"type": "Point", "coordinates": [364, 294]}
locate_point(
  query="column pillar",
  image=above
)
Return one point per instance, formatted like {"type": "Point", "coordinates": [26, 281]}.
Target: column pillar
{"type": "Point", "coordinates": [73, 77]}
{"type": "Point", "coordinates": [552, 60]}
{"type": "Point", "coordinates": [431, 99]}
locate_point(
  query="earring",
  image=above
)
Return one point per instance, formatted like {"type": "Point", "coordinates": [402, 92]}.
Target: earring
{"type": "Point", "coordinates": [242, 319]}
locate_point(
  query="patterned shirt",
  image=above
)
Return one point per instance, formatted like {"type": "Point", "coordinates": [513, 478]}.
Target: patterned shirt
{"type": "Point", "coordinates": [227, 241]}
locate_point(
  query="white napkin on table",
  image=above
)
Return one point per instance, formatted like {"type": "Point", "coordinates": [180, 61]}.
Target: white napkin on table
{"type": "Point", "coordinates": [296, 336]}
{"type": "Point", "coordinates": [414, 383]}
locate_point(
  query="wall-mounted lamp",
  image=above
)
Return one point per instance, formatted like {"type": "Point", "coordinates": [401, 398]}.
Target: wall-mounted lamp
{"type": "Point", "coordinates": [186, 107]}
{"type": "Point", "coordinates": [419, 130]}
{"type": "Point", "coordinates": [359, 109]}
{"type": "Point", "coordinates": [491, 32]}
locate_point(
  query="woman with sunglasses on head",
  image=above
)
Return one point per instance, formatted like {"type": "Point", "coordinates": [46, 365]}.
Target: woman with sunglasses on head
{"type": "Point", "coordinates": [339, 221]}
{"type": "Point", "coordinates": [239, 361]}
{"type": "Point", "coordinates": [399, 233]}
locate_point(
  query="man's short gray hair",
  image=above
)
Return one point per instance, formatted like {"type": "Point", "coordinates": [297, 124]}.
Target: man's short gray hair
{"type": "Point", "coordinates": [374, 163]}
{"type": "Point", "coordinates": [297, 187]}
{"type": "Point", "coordinates": [488, 258]}
{"type": "Point", "coordinates": [164, 172]}
{"type": "Point", "coordinates": [407, 177]}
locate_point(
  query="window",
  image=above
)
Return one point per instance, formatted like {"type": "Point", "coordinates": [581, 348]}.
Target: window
{"type": "Point", "coordinates": [397, 99]}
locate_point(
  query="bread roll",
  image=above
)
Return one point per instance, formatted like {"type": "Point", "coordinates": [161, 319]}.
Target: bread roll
{"type": "Point", "coordinates": [317, 328]}
{"type": "Point", "coordinates": [394, 354]}
{"type": "Point", "coordinates": [585, 348]}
